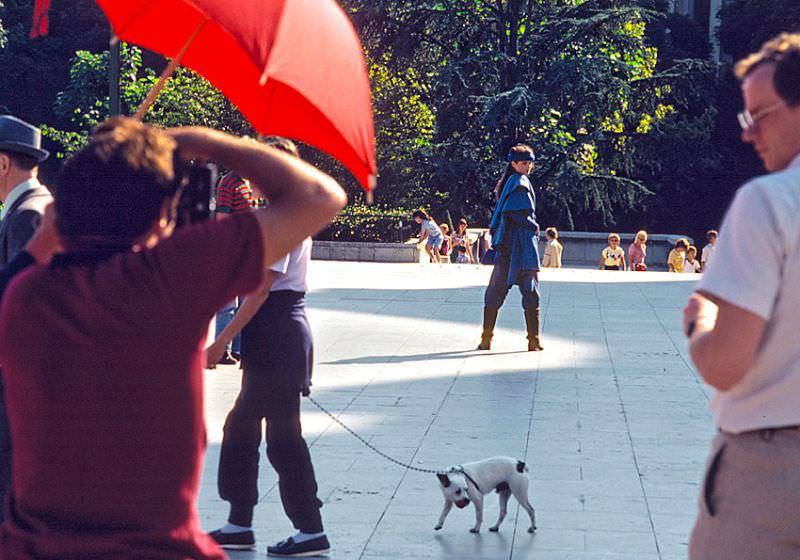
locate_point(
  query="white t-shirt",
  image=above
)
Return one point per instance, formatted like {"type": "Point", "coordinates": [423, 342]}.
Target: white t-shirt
{"type": "Point", "coordinates": [613, 257]}
{"type": "Point", "coordinates": [693, 266]}
{"type": "Point", "coordinates": [708, 252]}
{"type": "Point", "coordinates": [758, 269]}
{"type": "Point", "coordinates": [293, 269]}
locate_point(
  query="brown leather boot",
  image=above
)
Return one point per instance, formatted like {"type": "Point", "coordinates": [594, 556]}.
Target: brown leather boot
{"type": "Point", "coordinates": [532, 324]}
{"type": "Point", "coordinates": [489, 320]}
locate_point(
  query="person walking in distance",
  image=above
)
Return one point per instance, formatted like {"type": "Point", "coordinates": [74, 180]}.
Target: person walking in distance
{"type": "Point", "coordinates": [277, 356]}
{"type": "Point", "coordinates": [742, 325]}
{"type": "Point", "coordinates": [515, 238]}
{"type": "Point", "coordinates": [429, 234]}
{"type": "Point", "coordinates": [234, 195]}
{"type": "Point", "coordinates": [552, 249]}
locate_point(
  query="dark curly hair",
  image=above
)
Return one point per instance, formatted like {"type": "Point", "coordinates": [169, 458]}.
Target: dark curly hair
{"type": "Point", "coordinates": [116, 185]}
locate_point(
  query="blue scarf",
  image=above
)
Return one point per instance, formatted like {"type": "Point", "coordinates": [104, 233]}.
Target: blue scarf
{"type": "Point", "coordinates": [520, 237]}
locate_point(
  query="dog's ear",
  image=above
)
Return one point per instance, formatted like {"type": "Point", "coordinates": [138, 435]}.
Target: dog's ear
{"type": "Point", "coordinates": [444, 479]}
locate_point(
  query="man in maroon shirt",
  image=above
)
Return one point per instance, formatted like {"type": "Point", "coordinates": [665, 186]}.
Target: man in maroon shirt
{"type": "Point", "coordinates": [102, 349]}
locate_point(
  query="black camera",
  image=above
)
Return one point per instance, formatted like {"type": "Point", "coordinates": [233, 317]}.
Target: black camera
{"type": "Point", "coordinates": [197, 193]}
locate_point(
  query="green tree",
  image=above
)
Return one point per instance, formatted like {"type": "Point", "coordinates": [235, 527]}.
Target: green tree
{"type": "Point", "coordinates": [187, 98]}
{"type": "Point", "coordinates": [577, 79]}
{"type": "Point", "coordinates": [2, 30]}
{"type": "Point", "coordinates": [35, 70]}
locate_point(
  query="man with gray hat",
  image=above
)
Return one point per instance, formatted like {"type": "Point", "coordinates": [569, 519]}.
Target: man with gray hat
{"type": "Point", "coordinates": [24, 202]}
{"type": "Point", "coordinates": [24, 198]}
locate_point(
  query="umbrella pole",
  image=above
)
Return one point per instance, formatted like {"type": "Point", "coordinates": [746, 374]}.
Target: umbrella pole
{"type": "Point", "coordinates": [165, 75]}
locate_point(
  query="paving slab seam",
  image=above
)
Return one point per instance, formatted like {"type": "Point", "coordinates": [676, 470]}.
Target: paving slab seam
{"type": "Point", "coordinates": [344, 409]}
{"type": "Point", "coordinates": [434, 417]}
{"type": "Point", "coordinates": [689, 366]}
{"type": "Point", "coordinates": [528, 438]}
{"type": "Point", "coordinates": [627, 425]}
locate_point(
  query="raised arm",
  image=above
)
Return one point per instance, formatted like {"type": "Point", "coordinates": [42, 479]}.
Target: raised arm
{"type": "Point", "coordinates": [302, 199]}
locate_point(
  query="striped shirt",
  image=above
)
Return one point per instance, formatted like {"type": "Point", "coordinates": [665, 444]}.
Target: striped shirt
{"type": "Point", "coordinates": [233, 194]}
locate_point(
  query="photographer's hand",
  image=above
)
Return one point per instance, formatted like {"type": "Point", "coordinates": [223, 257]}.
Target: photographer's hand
{"type": "Point", "coordinates": [302, 199]}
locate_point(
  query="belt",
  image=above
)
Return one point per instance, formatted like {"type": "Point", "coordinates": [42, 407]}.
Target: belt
{"type": "Point", "coordinates": [765, 434]}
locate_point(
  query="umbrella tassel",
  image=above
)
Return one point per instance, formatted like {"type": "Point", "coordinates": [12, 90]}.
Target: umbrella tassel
{"type": "Point", "coordinates": [41, 19]}
{"type": "Point", "coordinates": [165, 75]}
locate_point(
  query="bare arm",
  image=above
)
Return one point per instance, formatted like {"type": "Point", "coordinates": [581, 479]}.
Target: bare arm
{"type": "Point", "coordinates": [724, 339]}
{"type": "Point", "coordinates": [469, 250]}
{"type": "Point", "coordinates": [302, 199]}
{"type": "Point", "coordinates": [624, 264]}
{"type": "Point", "coordinates": [250, 306]}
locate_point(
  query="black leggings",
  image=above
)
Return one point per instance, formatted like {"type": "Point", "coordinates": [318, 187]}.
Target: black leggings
{"type": "Point", "coordinates": [275, 371]}
{"type": "Point", "coordinates": [497, 290]}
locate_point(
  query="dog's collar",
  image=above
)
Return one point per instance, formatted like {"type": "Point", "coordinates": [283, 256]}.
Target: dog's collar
{"type": "Point", "coordinates": [461, 470]}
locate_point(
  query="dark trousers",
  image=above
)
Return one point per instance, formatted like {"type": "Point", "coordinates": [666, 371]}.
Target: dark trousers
{"type": "Point", "coordinates": [5, 452]}
{"type": "Point", "coordinates": [275, 370]}
{"type": "Point", "coordinates": [497, 290]}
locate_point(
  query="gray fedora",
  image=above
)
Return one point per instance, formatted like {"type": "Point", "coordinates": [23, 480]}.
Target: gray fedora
{"type": "Point", "coordinates": [18, 136]}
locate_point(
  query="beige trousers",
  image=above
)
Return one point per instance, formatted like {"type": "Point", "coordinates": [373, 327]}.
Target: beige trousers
{"type": "Point", "coordinates": [750, 498]}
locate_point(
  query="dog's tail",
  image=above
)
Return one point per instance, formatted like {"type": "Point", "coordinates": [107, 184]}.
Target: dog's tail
{"type": "Point", "coordinates": [522, 467]}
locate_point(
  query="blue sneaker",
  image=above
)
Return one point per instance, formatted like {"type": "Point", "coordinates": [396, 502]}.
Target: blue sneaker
{"type": "Point", "coordinates": [290, 549]}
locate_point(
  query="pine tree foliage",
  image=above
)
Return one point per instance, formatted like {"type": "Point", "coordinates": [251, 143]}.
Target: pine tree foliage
{"type": "Point", "coordinates": [577, 80]}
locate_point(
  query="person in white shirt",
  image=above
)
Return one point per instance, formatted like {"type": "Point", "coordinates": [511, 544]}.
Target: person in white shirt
{"type": "Point", "coordinates": [277, 358]}
{"type": "Point", "coordinates": [691, 264]}
{"type": "Point", "coordinates": [742, 324]}
{"type": "Point", "coordinates": [711, 235]}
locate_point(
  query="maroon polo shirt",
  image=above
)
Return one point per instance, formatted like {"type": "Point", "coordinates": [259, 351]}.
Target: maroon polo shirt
{"type": "Point", "coordinates": [102, 363]}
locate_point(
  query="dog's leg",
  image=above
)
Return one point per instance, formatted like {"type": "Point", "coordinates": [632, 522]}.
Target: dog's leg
{"type": "Point", "coordinates": [478, 503]}
{"type": "Point", "coordinates": [504, 496]}
{"type": "Point", "coordinates": [521, 494]}
{"type": "Point", "coordinates": [448, 505]}
{"type": "Point", "coordinates": [531, 513]}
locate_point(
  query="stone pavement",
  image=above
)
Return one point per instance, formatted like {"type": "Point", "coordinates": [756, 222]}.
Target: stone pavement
{"type": "Point", "coordinates": [611, 418]}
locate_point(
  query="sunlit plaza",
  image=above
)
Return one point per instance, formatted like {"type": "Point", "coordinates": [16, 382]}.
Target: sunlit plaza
{"type": "Point", "coordinates": [611, 418]}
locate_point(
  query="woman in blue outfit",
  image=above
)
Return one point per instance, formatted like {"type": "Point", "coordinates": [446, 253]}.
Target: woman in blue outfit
{"type": "Point", "coordinates": [515, 238]}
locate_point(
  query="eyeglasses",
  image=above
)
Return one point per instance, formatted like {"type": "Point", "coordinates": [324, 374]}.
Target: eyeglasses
{"type": "Point", "coordinates": [748, 121]}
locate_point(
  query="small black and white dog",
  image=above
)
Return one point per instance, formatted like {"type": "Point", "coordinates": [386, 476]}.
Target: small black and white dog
{"type": "Point", "coordinates": [471, 481]}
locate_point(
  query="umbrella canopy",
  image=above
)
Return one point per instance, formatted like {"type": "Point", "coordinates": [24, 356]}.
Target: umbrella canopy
{"type": "Point", "coordinates": [294, 68]}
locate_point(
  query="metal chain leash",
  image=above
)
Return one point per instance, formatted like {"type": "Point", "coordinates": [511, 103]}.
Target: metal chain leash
{"type": "Point", "coordinates": [372, 447]}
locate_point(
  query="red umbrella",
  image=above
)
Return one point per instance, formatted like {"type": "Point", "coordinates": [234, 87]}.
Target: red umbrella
{"type": "Point", "coordinates": [294, 68]}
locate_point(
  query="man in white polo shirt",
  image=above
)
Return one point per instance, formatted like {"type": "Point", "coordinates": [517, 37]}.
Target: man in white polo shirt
{"type": "Point", "coordinates": [743, 324]}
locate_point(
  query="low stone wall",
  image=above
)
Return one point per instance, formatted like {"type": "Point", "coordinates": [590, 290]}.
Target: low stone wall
{"type": "Point", "coordinates": [581, 249]}
{"type": "Point", "coordinates": [365, 252]}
